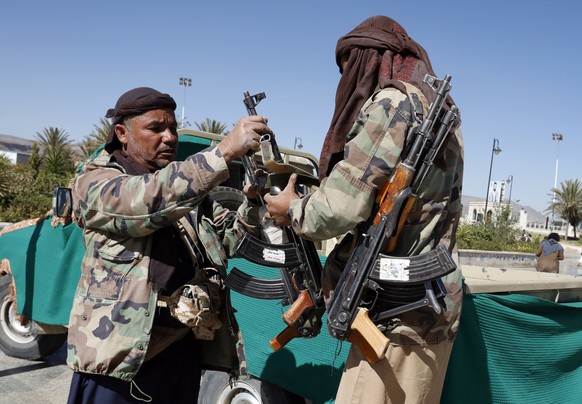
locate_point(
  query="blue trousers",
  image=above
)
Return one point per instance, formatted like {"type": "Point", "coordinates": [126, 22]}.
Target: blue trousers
{"type": "Point", "coordinates": [172, 376]}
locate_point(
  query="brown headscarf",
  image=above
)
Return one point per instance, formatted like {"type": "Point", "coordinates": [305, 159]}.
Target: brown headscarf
{"type": "Point", "coordinates": [135, 102]}
{"type": "Point", "coordinates": [378, 51]}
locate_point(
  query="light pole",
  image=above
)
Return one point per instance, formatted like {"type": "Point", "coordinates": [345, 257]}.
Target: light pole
{"type": "Point", "coordinates": [510, 181]}
{"type": "Point", "coordinates": [186, 82]}
{"type": "Point", "coordinates": [494, 150]}
{"type": "Point", "coordinates": [298, 144]}
{"type": "Point", "coordinates": [558, 137]}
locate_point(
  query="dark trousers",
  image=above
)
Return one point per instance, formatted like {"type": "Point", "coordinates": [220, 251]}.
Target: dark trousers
{"type": "Point", "coordinates": [172, 376]}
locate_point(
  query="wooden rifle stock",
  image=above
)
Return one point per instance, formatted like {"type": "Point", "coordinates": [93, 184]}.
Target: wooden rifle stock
{"type": "Point", "coordinates": [284, 337]}
{"type": "Point", "coordinates": [393, 240]}
{"type": "Point", "coordinates": [367, 337]}
{"type": "Point", "coordinates": [299, 306]}
{"type": "Point", "coordinates": [402, 178]}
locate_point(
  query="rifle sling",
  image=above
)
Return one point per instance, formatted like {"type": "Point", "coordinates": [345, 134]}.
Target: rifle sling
{"type": "Point", "coordinates": [260, 288]}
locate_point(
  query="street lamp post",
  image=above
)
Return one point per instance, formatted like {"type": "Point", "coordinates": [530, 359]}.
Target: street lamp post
{"type": "Point", "coordinates": [298, 144]}
{"type": "Point", "coordinates": [186, 82]}
{"type": "Point", "coordinates": [510, 182]}
{"type": "Point", "coordinates": [494, 150]}
{"type": "Point", "coordinates": [558, 137]}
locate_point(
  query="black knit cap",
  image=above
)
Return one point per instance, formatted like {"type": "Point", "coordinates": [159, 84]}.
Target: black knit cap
{"type": "Point", "coordinates": [135, 102]}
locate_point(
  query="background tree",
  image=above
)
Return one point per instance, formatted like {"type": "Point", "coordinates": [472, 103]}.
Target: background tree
{"type": "Point", "coordinates": [29, 189]}
{"type": "Point", "coordinates": [57, 155]}
{"type": "Point", "coordinates": [568, 202]}
{"type": "Point", "coordinates": [5, 176]}
{"type": "Point", "coordinates": [14, 205]}
{"type": "Point", "coordinates": [212, 126]}
{"type": "Point", "coordinates": [35, 160]}
{"type": "Point", "coordinates": [96, 138]}
{"type": "Point", "coordinates": [500, 233]}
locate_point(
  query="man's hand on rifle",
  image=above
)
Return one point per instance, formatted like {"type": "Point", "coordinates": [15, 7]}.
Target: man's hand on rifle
{"type": "Point", "coordinates": [252, 192]}
{"type": "Point", "coordinates": [278, 205]}
{"type": "Point", "coordinates": [244, 137]}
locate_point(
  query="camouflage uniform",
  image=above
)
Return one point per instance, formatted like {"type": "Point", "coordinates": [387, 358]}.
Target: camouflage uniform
{"type": "Point", "coordinates": [347, 196]}
{"type": "Point", "coordinates": [113, 310]}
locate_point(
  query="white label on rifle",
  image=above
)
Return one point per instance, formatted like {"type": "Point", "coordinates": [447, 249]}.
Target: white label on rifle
{"type": "Point", "coordinates": [274, 255]}
{"type": "Point", "coordinates": [394, 269]}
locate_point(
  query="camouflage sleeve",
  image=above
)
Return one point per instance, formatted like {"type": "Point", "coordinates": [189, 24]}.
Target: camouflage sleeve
{"type": "Point", "coordinates": [111, 201]}
{"type": "Point", "coordinates": [346, 197]}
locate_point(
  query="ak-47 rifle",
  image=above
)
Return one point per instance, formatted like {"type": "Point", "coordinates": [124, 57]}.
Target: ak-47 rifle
{"type": "Point", "coordinates": [297, 258]}
{"type": "Point", "coordinates": [372, 280]}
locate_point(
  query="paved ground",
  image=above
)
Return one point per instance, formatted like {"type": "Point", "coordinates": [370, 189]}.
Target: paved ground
{"type": "Point", "coordinates": [43, 382]}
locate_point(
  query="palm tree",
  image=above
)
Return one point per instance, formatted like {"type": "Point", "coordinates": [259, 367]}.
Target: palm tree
{"type": "Point", "coordinates": [568, 202]}
{"type": "Point", "coordinates": [35, 160]}
{"type": "Point", "coordinates": [95, 139]}
{"type": "Point", "coordinates": [56, 162]}
{"type": "Point", "coordinates": [212, 126]}
{"type": "Point", "coordinates": [53, 139]}
{"type": "Point", "coordinates": [56, 151]}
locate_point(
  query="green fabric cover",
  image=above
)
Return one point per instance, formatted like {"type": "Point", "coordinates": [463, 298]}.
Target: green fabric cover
{"type": "Point", "coordinates": [189, 145]}
{"type": "Point", "coordinates": [46, 266]}
{"type": "Point", "coordinates": [307, 367]}
{"type": "Point", "coordinates": [510, 348]}
{"type": "Point", "coordinates": [516, 349]}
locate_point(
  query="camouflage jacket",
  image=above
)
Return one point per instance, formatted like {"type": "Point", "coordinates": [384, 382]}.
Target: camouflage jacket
{"type": "Point", "coordinates": [113, 310]}
{"type": "Point", "coordinates": [346, 198]}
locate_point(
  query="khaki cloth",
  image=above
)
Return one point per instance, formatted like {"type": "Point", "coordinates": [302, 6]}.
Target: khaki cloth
{"type": "Point", "coordinates": [549, 263]}
{"type": "Point", "coordinates": [408, 374]}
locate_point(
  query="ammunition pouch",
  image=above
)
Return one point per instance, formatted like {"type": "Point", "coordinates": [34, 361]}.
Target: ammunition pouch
{"type": "Point", "coordinates": [196, 304]}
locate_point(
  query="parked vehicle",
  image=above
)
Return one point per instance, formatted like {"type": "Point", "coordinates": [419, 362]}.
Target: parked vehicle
{"type": "Point", "coordinates": [518, 341]}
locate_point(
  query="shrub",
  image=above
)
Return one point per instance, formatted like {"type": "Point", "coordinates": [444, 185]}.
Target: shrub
{"type": "Point", "coordinates": [498, 234]}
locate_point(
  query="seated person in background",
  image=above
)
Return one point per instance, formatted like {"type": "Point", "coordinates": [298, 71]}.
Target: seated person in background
{"type": "Point", "coordinates": [550, 253]}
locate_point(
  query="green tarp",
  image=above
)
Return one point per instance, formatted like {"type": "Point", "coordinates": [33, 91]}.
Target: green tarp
{"type": "Point", "coordinates": [510, 348]}
{"type": "Point", "coordinates": [516, 349]}
{"type": "Point", "coordinates": [307, 367]}
{"type": "Point", "coordinates": [46, 265]}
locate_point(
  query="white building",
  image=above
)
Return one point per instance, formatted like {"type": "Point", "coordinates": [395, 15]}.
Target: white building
{"type": "Point", "coordinates": [16, 157]}
{"type": "Point", "coordinates": [477, 208]}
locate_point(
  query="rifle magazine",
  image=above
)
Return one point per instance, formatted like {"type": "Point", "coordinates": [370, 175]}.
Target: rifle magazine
{"type": "Point", "coordinates": [413, 270]}
{"type": "Point", "coordinates": [267, 254]}
{"type": "Point", "coordinates": [260, 288]}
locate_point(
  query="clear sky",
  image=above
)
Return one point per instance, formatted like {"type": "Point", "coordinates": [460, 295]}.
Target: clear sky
{"type": "Point", "coordinates": [515, 67]}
